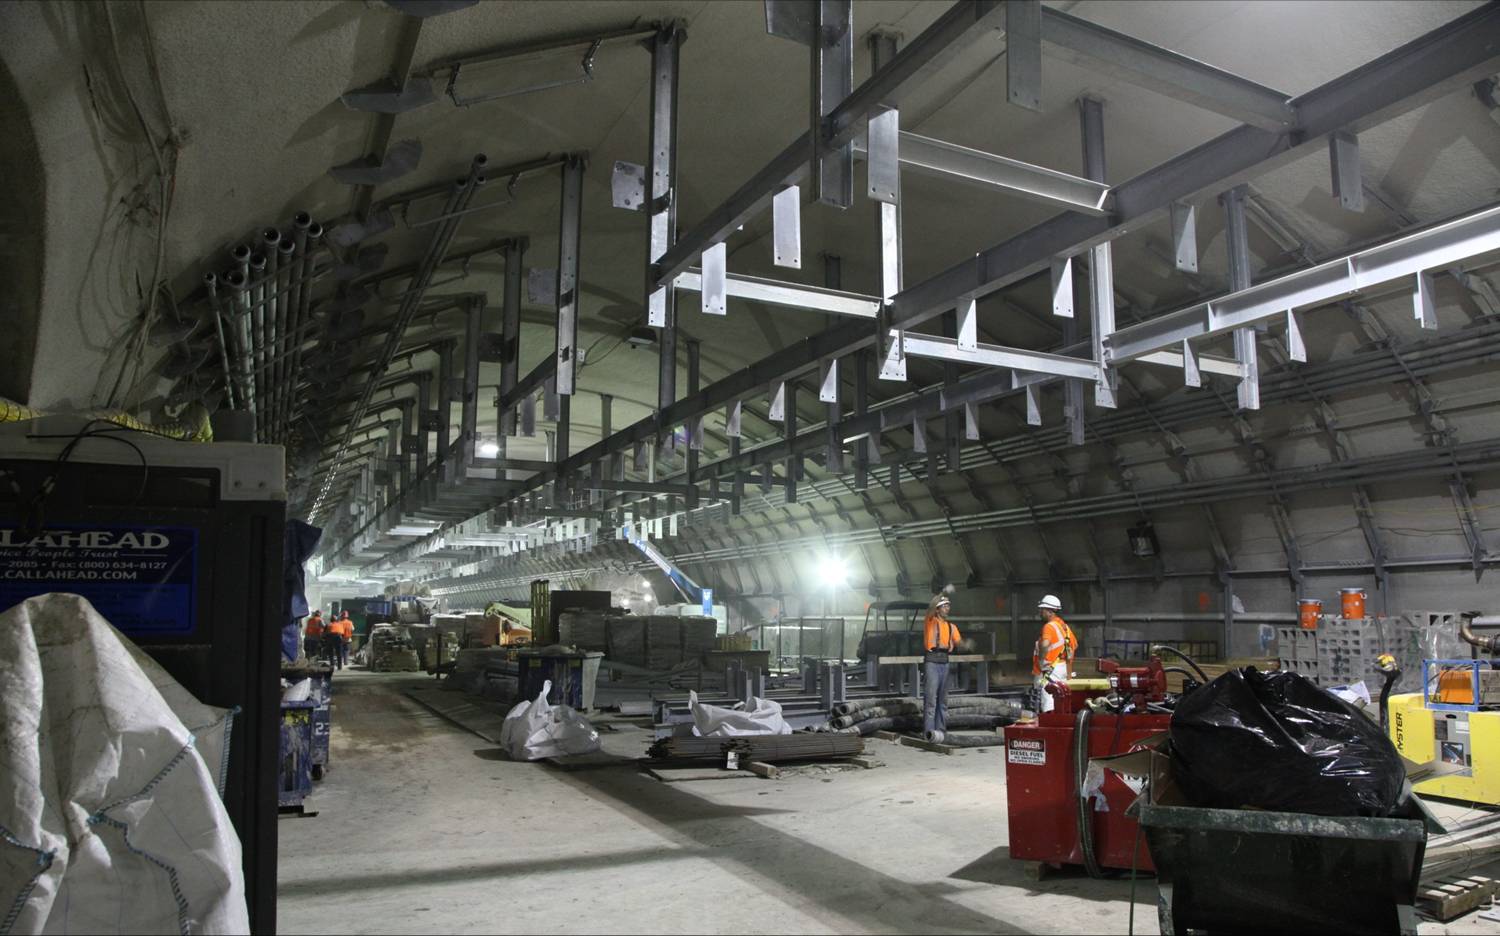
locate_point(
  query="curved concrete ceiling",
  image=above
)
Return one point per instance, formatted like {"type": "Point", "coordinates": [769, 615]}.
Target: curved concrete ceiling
{"type": "Point", "coordinates": [244, 99]}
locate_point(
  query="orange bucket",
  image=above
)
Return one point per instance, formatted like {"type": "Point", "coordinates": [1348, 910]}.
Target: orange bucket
{"type": "Point", "coordinates": [1308, 612]}
{"type": "Point", "coordinates": [1353, 602]}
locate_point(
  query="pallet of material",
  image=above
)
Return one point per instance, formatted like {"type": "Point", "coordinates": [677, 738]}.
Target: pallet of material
{"type": "Point", "coordinates": [682, 771]}
{"type": "Point", "coordinates": [938, 747]}
{"type": "Point", "coordinates": [1450, 897]}
{"type": "Point", "coordinates": [591, 760]}
{"type": "Point", "coordinates": [762, 748]}
{"type": "Point", "coordinates": [1215, 670]}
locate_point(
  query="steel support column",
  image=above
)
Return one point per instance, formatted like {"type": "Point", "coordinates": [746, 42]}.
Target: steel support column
{"type": "Point", "coordinates": [832, 80]}
{"type": "Point", "coordinates": [510, 343]}
{"type": "Point", "coordinates": [569, 224]}
{"type": "Point", "coordinates": [661, 299]}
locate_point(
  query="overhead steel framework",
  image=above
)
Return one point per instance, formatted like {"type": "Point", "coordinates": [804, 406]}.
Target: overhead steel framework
{"type": "Point", "coordinates": [880, 333]}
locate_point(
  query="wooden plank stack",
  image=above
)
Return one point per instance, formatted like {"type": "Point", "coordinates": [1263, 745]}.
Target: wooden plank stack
{"type": "Point", "coordinates": [1450, 897]}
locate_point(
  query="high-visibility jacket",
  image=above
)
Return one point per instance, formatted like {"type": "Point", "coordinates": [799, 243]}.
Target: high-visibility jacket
{"type": "Point", "coordinates": [315, 627]}
{"type": "Point", "coordinates": [343, 628]}
{"type": "Point", "coordinates": [1056, 643]}
{"type": "Point", "coordinates": [939, 633]}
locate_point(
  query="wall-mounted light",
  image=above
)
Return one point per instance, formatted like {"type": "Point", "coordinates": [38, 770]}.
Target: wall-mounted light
{"type": "Point", "coordinates": [489, 449]}
{"type": "Point", "coordinates": [832, 572]}
{"type": "Point", "coordinates": [1143, 544]}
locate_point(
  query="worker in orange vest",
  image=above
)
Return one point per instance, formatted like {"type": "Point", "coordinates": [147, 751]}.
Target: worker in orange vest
{"type": "Point", "coordinates": [343, 633]}
{"type": "Point", "coordinates": [1055, 648]}
{"type": "Point", "coordinates": [940, 637]}
{"type": "Point", "coordinates": [312, 635]}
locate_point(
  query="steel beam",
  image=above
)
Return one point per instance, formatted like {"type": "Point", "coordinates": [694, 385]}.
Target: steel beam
{"type": "Point", "coordinates": [791, 295]}
{"type": "Point", "coordinates": [1398, 260]}
{"type": "Point", "coordinates": [1039, 362]}
{"type": "Point", "coordinates": [1036, 183]}
{"type": "Point", "coordinates": [1448, 58]}
{"type": "Point", "coordinates": [962, 24]}
{"type": "Point", "coordinates": [1134, 61]}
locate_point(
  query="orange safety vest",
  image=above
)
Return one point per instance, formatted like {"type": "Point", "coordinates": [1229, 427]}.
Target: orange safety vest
{"type": "Point", "coordinates": [939, 634]}
{"type": "Point", "coordinates": [1056, 643]}
{"type": "Point", "coordinates": [315, 627]}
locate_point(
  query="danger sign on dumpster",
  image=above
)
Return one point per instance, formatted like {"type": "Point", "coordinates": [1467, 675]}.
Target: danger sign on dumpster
{"type": "Point", "coordinates": [141, 578]}
{"type": "Point", "coordinates": [1030, 751]}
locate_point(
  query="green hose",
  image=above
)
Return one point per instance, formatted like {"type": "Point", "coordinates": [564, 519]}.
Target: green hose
{"type": "Point", "coordinates": [1080, 775]}
{"type": "Point", "coordinates": [194, 428]}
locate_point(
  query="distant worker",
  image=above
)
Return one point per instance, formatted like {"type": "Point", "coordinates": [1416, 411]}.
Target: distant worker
{"type": "Point", "coordinates": [1055, 648]}
{"type": "Point", "coordinates": [940, 637]}
{"type": "Point", "coordinates": [312, 636]}
{"type": "Point", "coordinates": [342, 632]}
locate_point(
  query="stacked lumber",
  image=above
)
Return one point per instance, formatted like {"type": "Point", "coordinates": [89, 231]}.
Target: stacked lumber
{"type": "Point", "coordinates": [586, 630]}
{"type": "Point", "coordinates": [1450, 897]}
{"type": "Point", "coordinates": [655, 642]}
{"type": "Point", "coordinates": [391, 651]}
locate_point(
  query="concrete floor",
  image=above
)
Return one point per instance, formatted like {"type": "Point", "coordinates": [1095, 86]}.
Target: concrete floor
{"type": "Point", "coordinates": [425, 827]}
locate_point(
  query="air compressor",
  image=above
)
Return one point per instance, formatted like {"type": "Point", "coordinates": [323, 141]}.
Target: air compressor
{"type": "Point", "coordinates": [1055, 817]}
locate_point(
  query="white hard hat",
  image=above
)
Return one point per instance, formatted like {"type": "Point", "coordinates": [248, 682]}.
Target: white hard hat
{"type": "Point", "coordinates": [1050, 602]}
{"type": "Point", "coordinates": [943, 600]}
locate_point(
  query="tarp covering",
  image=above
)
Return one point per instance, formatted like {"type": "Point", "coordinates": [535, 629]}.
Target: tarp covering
{"type": "Point", "coordinates": [110, 777]}
{"type": "Point", "coordinates": [759, 717]}
{"type": "Point", "coordinates": [299, 541]}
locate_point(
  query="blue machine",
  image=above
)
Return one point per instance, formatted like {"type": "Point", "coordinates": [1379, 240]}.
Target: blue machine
{"type": "Point", "coordinates": [690, 589]}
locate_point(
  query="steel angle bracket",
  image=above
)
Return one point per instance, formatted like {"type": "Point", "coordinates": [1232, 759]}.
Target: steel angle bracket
{"type": "Point", "coordinates": [400, 159]}
{"type": "Point", "coordinates": [627, 185]}
{"type": "Point", "coordinates": [786, 225]}
{"type": "Point", "coordinates": [792, 19]}
{"type": "Point", "coordinates": [892, 344]}
{"type": "Point", "coordinates": [384, 99]}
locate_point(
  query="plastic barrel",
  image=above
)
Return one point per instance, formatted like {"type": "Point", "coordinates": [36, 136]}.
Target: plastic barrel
{"type": "Point", "coordinates": [1353, 602]}
{"type": "Point", "coordinates": [1309, 610]}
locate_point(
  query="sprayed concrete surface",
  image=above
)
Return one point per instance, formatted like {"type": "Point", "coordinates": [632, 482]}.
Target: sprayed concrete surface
{"type": "Point", "coordinates": [423, 826]}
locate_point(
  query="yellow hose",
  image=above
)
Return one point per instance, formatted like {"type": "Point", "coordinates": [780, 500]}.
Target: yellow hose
{"type": "Point", "coordinates": [194, 427]}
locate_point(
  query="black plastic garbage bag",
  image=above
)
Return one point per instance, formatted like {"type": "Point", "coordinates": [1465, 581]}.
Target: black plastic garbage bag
{"type": "Point", "coordinates": [1276, 741]}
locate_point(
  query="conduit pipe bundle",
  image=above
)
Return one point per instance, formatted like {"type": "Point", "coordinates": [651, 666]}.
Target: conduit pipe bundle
{"type": "Point", "coordinates": [264, 322]}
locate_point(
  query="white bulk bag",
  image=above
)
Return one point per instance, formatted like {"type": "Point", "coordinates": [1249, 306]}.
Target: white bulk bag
{"type": "Point", "coordinates": [534, 730]}
{"type": "Point", "coordinates": [761, 718]}
{"type": "Point", "coordinates": [110, 776]}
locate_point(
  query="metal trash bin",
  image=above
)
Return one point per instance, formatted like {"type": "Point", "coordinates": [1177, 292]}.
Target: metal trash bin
{"type": "Point", "coordinates": [294, 763]}
{"type": "Point", "coordinates": [321, 675]}
{"type": "Point", "coordinates": [1243, 870]}
{"type": "Point", "coordinates": [573, 676]}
